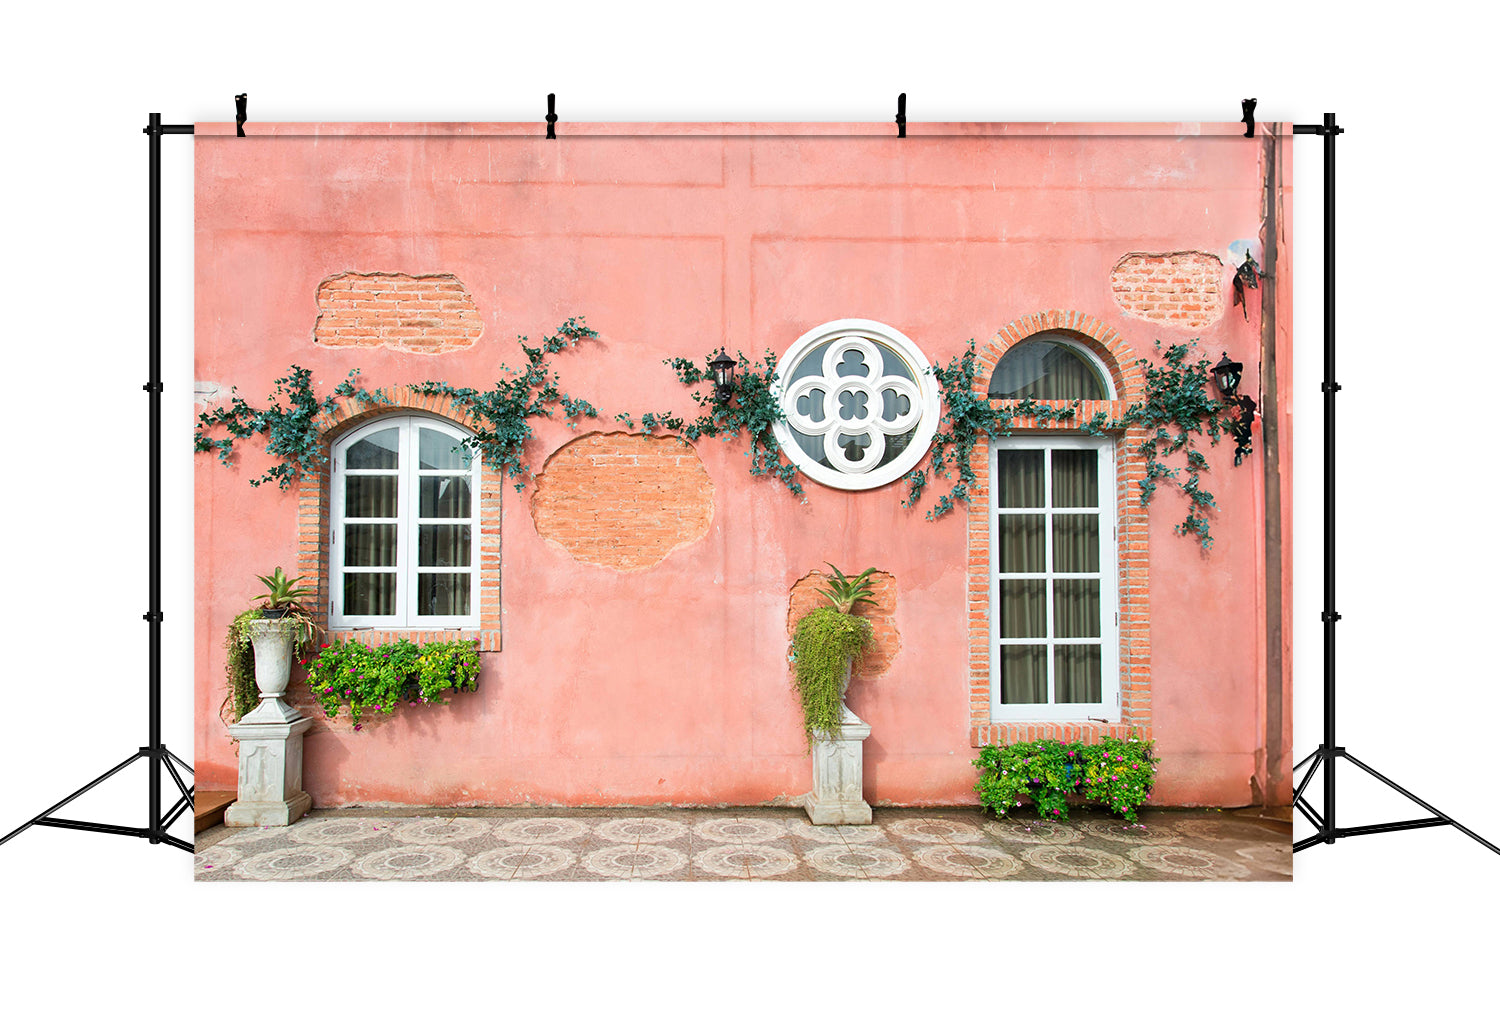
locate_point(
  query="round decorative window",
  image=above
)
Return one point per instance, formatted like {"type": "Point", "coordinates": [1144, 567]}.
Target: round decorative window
{"type": "Point", "coordinates": [861, 405]}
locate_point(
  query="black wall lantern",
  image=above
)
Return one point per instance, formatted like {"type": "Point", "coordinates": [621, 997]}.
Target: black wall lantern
{"type": "Point", "coordinates": [1227, 376]}
{"type": "Point", "coordinates": [1246, 275]}
{"type": "Point", "coordinates": [722, 367]}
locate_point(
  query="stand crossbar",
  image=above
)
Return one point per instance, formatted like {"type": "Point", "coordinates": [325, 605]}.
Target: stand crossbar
{"type": "Point", "coordinates": [1328, 754]}
{"type": "Point", "coordinates": [158, 756]}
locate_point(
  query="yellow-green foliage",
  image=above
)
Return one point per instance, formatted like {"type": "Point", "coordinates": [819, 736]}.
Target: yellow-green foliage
{"type": "Point", "coordinates": [823, 644]}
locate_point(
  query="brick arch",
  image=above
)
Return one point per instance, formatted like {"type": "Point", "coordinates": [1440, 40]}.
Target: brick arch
{"type": "Point", "coordinates": [314, 504]}
{"type": "Point", "coordinates": [1118, 357]}
{"type": "Point", "coordinates": [1123, 364]}
{"type": "Point", "coordinates": [351, 413]}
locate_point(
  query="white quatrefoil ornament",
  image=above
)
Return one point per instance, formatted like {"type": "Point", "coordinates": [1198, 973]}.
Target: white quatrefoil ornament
{"type": "Point", "coordinates": [860, 401]}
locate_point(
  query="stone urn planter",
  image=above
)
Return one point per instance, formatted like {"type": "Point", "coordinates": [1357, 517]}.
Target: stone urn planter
{"type": "Point", "coordinates": [273, 640]}
{"type": "Point", "coordinates": [270, 736]}
{"type": "Point", "coordinates": [825, 644]}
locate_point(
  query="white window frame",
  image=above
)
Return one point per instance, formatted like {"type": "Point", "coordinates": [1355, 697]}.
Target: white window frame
{"type": "Point", "coordinates": [407, 498]}
{"type": "Point", "coordinates": [924, 395]}
{"type": "Point", "coordinates": [1109, 706]}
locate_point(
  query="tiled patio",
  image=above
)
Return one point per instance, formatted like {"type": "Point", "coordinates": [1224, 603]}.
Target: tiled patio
{"type": "Point", "coordinates": [774, 844]}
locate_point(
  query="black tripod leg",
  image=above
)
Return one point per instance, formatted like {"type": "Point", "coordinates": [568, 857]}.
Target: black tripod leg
{"type": "Point", "coordinates": [1423, 803]}
{"type": "Point", "coordinates": [75, 795]}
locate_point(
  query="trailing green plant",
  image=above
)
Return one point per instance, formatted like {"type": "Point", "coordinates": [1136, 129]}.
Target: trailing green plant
{"type": "Point", "coordinates": [1176, 410]}
{"type": "Point", "coordinates": [754, 409]}
{"type": "Point", "coordinates": [291, 431]}
{"type": "Point", "coordinates": [239, 654]}
{"type": "Point", "coordinates": [353, 675]}
{"type": "Point", "coordinates": [1114, 773]}
{"type": "Point", "coordinates": [967, 417]}
{"type": "Point", "coordinates": [239, 659]}
{"type": "Point", "coordinates": [502, 413]}
{"type": "Point", "coordinates": [824, 644]}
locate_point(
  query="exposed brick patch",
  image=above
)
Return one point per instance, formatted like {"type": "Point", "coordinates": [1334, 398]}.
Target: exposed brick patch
{"type": "Point", "coordinates": [623, 501]}
{"type": "Point", "coordinates": [1185, 289]}
{"type": "Point", "coordinates": [882, 615]}
{"type": "Point", "coordinates": [430, 313]}
{"type": "Point", "coordinates": [1134, 564]}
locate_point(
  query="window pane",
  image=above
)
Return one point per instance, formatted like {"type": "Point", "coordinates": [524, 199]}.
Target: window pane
{"type": "Point", "coordinates": [438, 450]}
{"type": "Point", "coordinates": [443, 593]}
{"type": "Point", "coordinates": [378, 451]}
{"type": "Point", "coordinates": [891, 363]}
{"type": "Point", "coordinates": [1075, 478]}
{"type": "Point", "coordinates": [370, 544]}
{"type": "Point", "coordinates": [1023, 608]}
{"type": "Point", "coordinates": [1023, 544]}
{"type": "Point", "coordinates": [1075, 608]}
{"type": "Point", "coordinates": [1023, 674]}
{"type": "Point", "coordinates": [370, 497]}
{"type": "Point", "coordinates": [1045, 370]}
{"type": "Point", "coordinates": [444, 497]}
{"type": "Point", "coordinates": [1020, 482]}
{"type": "Point", "coordinates": [369, 593]}
{"type": "Point", "coordinates": [443, 545]}
{"type": "Point", "coordinates": [1075, 542]}
{"type": "Point", "coordinates": [854, 446]}
{"type": "Point", "coordinates": [1079, 673]}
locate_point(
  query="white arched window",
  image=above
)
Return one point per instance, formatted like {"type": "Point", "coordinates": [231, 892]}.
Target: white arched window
{"type": "Point", "coordinates": [404, 546]}
{"type": "Point", "coordinates": [860, 403]}
{"type": "Point", "coordinates": [1049, 367]}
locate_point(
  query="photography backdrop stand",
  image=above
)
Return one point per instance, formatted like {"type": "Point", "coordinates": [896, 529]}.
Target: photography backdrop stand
{"type": "Point", "coordinates": [1329, 753]}
{"type": "Point", "coordinates": [159, 757]}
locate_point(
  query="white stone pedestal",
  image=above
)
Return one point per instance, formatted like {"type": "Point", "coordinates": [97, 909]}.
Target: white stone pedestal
{"type": "Point", "coordinates": [270, 767]}
{"type": "Point", "coordinates": [838, 793]}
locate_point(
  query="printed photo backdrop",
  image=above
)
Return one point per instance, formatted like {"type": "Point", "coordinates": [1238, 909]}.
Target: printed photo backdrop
{"type": "Point", "coordinates": [455, 382]}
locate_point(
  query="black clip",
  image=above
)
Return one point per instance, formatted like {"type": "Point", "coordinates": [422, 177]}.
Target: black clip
{"type": "Point", "coordinates": [239, 114]}
{"type": "Point", "coordinates": [552, 115]}
{"type": "Point", "coordinates": [901, 116]}
{"type": "Point", "coordinates": [1248, 106]}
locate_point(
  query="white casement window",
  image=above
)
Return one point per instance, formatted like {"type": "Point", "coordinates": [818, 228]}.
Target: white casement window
{"type": "Point", "coordinates": [405, 533]}
{"type": "Point", "coordinates": [860, 402]}
{"type": "Point", "coordinates": [1054, 626]}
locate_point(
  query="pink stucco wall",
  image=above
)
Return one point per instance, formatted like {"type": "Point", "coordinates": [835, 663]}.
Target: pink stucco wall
{"type": "Point", "coordinates": [671, 685]}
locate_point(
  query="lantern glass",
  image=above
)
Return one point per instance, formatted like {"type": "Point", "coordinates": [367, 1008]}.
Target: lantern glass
{"type": "Point", "coordinates": [722, 366]}
{"type": "Point", "coordinates": [1227, 375]}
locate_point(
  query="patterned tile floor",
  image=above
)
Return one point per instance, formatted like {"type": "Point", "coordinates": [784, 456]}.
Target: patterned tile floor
{"type": "Point", "coordinates": [576, 845]}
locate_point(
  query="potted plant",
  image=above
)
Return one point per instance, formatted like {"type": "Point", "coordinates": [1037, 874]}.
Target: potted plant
{"type": "Point", "coordinates": [273, 631]}
{"type": "Point", "coordinates": [825, 645]}
{"type": "Point", "coordinates": [281, 594]}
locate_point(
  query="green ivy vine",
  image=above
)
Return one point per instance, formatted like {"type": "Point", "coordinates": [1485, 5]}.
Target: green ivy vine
{"type": "Point", "coordinates": [1175, 412]}
{"type": "Point", "coordinates": [754, 410]}
{"type": "Point", "coordinates": [291, 430]}
{"type": "Point", "coordinates": [968, 417]}
{"type": "Point", "coordinates": [503, 411]}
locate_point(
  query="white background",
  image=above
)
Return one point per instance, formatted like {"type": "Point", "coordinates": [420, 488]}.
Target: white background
{"type": "Point", "coordinates": [1379, 925]}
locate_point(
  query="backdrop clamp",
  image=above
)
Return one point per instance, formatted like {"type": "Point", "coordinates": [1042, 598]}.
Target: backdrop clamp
{"type": "Point", "coordinates": [552, 115]}
{"type": "Point", "coordinates": [901, 116]}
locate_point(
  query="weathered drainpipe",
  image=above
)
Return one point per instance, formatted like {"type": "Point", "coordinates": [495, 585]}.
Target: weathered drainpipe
{"type": "Point", "coordinates": [1270, 402]}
